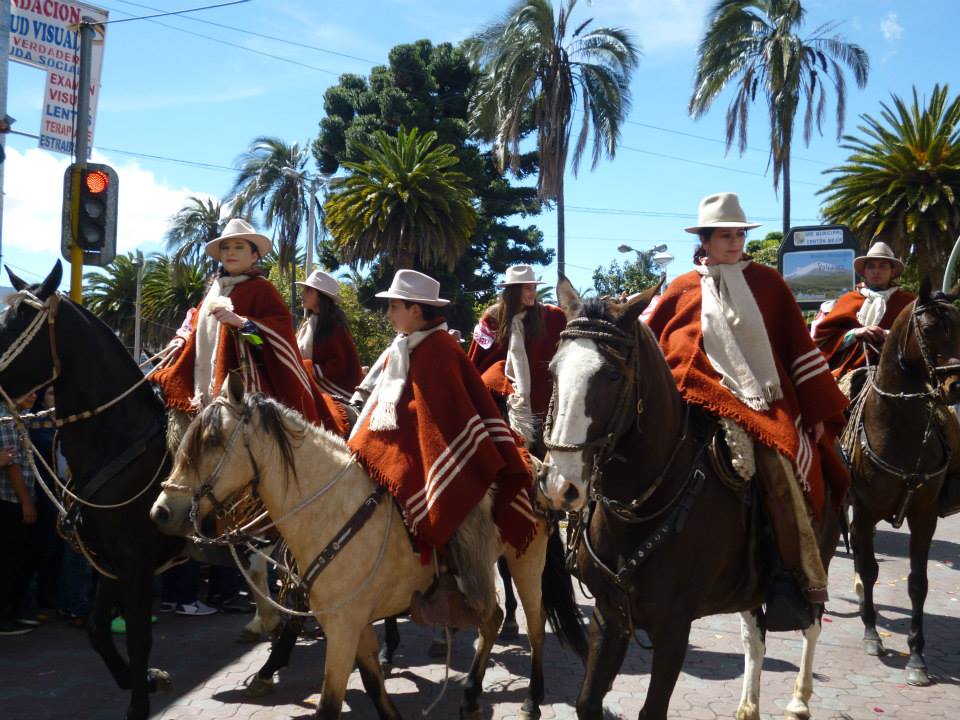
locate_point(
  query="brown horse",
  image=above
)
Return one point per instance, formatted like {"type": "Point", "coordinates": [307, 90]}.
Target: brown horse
{"type": "Point", "coordinates": [661, 538]}
{"type": "Point", "coordinates": [900, 458]}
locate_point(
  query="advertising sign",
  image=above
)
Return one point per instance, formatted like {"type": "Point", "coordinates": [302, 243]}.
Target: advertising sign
{"type": "Point", "coordinates": [45, 34]}
{"type": "Point", "coordinates": [817, 263]}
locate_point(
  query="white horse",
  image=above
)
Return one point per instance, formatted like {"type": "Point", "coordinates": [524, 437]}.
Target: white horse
{"type": "Point", "coordinates": [311, 485]}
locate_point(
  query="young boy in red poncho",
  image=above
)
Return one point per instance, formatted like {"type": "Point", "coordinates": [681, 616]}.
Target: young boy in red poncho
{"type": "Point", "coordinates": [736, 343]}
{"type": "Point", "coordinates": [512, 347]}
{"type": "Point", "coordinates": [431, 433]}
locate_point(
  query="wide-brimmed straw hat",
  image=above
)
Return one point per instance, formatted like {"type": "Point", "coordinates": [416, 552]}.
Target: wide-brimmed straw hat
{"type": "Point", "coordinates": [239, 229]}
{"type": "Point", "coordinates": [414, 287]}
{"type": "Point", "coordinates": [879, 251]}
{"type": "Point", "coordinates": [721, 210]}
{"type": "Point", "coordinates": [323, 283]}
{"type": "Point", "coordinates": [520, 275]}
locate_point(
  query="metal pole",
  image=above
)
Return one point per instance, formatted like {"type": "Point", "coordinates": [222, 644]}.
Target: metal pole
{"type": "Point", "coordinates": [136, 317]}
{"type": "Point", "coordinates": [4, 62]}
{"type": "Point", "coordinates": [311, 227]}
{"type": "Point", "coordinates": [81, 147]}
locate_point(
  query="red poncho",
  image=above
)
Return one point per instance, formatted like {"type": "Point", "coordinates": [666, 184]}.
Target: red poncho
{"type": "Point", "coordinates": [810, 393]}
{"type": "Point", "coordinates": [450, 448]}
{"type": "Point", "coordinates": [273, 368]}
{"type": "Point", "coordinates": [490, 360]}
{"type": "Point", "coordinates": [335, 357]}
{"type": "Point", "coordinates": [829, 332]}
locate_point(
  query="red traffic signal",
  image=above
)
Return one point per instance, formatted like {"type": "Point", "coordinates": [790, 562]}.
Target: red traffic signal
{"type": "Point", "coordinates": [90, 212]}
{"type": "Point", "coordinates": [96, 181]}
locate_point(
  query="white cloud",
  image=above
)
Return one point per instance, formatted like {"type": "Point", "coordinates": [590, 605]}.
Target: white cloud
{"type": "Point", "coordinates": [891, 29]}
{"type": "Point", "coordinates": [34, 195]}
{"type": "Point", "coordinates": [660, 25]}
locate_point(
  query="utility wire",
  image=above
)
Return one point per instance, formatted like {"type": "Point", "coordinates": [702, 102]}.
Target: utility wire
{"type": "Point", "coordinates": [175, 12]}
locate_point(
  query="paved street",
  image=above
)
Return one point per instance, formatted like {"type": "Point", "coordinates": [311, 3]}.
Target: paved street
{"type": "Point", "coordinates": [52, 673]}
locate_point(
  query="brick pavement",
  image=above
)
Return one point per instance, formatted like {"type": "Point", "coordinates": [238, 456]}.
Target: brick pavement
{"type": "Point", "coordinates": [53, 674]}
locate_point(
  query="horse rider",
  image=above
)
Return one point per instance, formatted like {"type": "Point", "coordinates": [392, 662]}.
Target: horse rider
{"type": "Point", "coordinates": [860, 320]}
{"type": "Point", "coordinates": [431, 433]}
{"type": "Point", "coordinates": [326, 344]}
{"type": "Point", "coordinates": [737, 346]}
{"type": "Point", "coordinates": [242, 325]}
{"type": "Point", "coordinates": [512, 347]}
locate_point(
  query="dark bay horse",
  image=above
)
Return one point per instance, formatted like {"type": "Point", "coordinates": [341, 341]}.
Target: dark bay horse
{"type": "Point", "coordinates": [901, 457]}
{"type": "Point", "coordinates": [663, 536]}
{"type": "Point", "coordinates": [116, 449]}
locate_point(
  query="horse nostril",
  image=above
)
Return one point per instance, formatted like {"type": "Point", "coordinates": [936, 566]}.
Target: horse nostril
{"type": "Point", "coordinates": [571, 493]}
{"type": "Point", "coordinates": [160, 515]}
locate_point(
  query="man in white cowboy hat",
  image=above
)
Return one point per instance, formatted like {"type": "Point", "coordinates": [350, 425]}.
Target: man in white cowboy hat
{"type": "Point", "coordinates": [859, 320]}
{"type": "Point", "coordinates": [324, 338]}
{"type": "Point", "coordinates": [512, 347]}
{"type": "Point", "coordinates": [430, 432]}
{"type": "Point", "coordinates": [737, 346]}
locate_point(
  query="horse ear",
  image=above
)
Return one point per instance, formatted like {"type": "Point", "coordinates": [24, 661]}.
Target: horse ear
{"type": "Point", "coordinates": [17, 282]}
{"type": "Point", "coordinates": [569, 298]}
{"type": "Point", "coordinates": [52, 282]}
{"type": "Point", "coordinates": [625, 314]}
{"type": "Point", "coordinates": [234, 388]}
{"type": "Point", "coordinates": [925, 288]}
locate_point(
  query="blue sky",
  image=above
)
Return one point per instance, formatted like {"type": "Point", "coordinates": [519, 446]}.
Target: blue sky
{"type": "Point", "coordinates": [170, 93]}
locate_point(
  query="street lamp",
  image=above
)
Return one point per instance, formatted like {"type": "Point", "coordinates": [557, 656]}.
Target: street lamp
{"type": "Point", "coordinates": [640, 253]}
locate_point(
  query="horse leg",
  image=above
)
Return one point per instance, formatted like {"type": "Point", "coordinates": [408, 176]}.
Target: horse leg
{"type": "Point", "coordinates": [608, 645]}
{"type": "Point", "coordinates": [921, 533]}
{"type": "Point", "coordinates": [473, 685]}
{"type": "Point", "coordinates": [669, 649]}
{"type": "Point", "coordinates": [371, 674]}
{"type": "Point", "coordinates": [267, 618]}
{"type": "Point", "coordinates": [528, 570]}
{"type": "Point", "coordinates": [510, 627]}
{"type": "Point", "coordinates": [98, 630]}
{"type": "Point", "coordinates": [868, 570]}
{"type": "Point", "coordinates": [136, 594]}
{"type": "Point", "coordinates": [391, 640]}
{"type": "Point", "coordinates": [262, 683]}
{"type": "Point", "coordinates": [342, 641]}
{"type": "Point", "coordinates": [754, 649]}
{"type": "Point", "coordinates": [797, 708]}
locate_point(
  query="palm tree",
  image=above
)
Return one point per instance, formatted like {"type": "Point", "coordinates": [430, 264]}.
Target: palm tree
{"type": "Point", "coordinates": [110, 295]}
{"type": "Point", "coordinates": [901, 183]}
{"type": "Point", "coordinates": [403, 201]}
{"type": "Point", "coordinates": [170, 288]}
{"type": "Point", "coordinates": [534, 70]}
{"type": "Point", "coordinates": [275, 182]}
{"type": "Point", "coordinates": [195, 224]}
{"type": "Point", "coordinates": [755, 44]}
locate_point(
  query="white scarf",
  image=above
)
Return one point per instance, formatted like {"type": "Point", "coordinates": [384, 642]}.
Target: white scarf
{"type": "Point", "coordinates": [305, 336]}
{"type": "Point", "coordinates": [517, 370]}
{"type": "Point", "coordinates": [208, 336]}
{"type": "Point", "coordinates": [734, 336]}
{"type": "Point", "coordinates": [875, 305]}
{"type": "Point", "coordinates": [385, 382]}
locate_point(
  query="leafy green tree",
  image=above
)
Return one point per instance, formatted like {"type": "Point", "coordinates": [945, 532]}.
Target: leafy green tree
{"type": "Point", "coordinates": [372, 332]}
{"type": "Point", "coordinates": [901, 181]}
{"type": "Point", "coordinates": [765, 251]}
{"type": "Point", "coordinates": [536, 68]}
{"type": "Point", "coordinates": [427, 87]}
{"type": "Point", "coordinates": [110, 294]}
{"type": "Point", "coordinates": [630, 277]}
{"type": "Point", "coordinates": [274, 181]}
{"type": "Point", "coordinates": [170, 288]}
{"type": "Point", "coordinates": [405, 201]}
{"type": "Point", "coordinates": [195, 224]}
{"type": "Point", "coordinates": [756, 46]}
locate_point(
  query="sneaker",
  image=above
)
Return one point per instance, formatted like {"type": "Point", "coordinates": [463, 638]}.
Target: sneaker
{"type": "Point", "coordinates": [168, 606]}
{"type": "Point", "coordinates": [10, 627]}
{"type": "Point", "coordinates": [195, 608]}
{"type": "Point", "coordinates": [119, 624]}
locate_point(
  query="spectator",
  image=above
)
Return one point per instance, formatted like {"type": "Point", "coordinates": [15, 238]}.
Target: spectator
{"type": "Point", "coordinates": [179, 590]}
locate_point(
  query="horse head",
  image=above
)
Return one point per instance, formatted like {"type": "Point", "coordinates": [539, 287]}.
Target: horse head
{"type": "Point", "coordinates": [216, 462]}
{"type": "Point", "coordinates": [26, 334]}
{"type": "Point", "coordinates": [926, 339]}
{"type": "Point", "coordinates": [596, 374]}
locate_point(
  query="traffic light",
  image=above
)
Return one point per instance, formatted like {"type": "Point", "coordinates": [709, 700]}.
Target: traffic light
{"type": "Point", "coordinates": [90, 212]}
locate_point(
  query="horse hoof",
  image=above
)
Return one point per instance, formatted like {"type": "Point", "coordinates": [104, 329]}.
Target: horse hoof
{"type": "Point", "coordinates": [159, 680]}
{"type": "Point", "coordinates": [748, 711]}
{"type": "Point", "coordinates": [248, 637]}
{"type": "Point", "coordinates": [258, 687]}
{"type": "Point", "coordinates": [796, 714]}
{"type": "Point", "coordinates": [918, 677]}
{"type": "Point", "coordinates": [873, 647]}
{"type": "Point", "coordinates": [529, 711]}
{"type": "Point", "coordinates": [386, 659]}
{"type": "Point", "coordinates": [474, 714]}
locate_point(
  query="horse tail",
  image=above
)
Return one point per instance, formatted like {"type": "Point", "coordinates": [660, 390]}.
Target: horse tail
{"type": "Point", "coordinates": [559, 602]}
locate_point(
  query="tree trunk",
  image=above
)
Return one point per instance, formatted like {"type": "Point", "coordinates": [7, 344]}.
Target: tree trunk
{"type": "Point", "coordinates": [786, 194]}
{"type": "Point", "coordinates": [293, 286]}
{"type": "Point", "coordinates": [561, 255]}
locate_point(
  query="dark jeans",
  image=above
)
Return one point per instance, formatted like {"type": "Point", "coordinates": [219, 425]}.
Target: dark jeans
{"type": "Point", "coordinates": [49, 552]}
{"type": "Point", "coordinates": [75, 583]}
{"type": "Point", "coordinates": [180, 584]}
{"type": "Point", "coordinates": [16, 560]}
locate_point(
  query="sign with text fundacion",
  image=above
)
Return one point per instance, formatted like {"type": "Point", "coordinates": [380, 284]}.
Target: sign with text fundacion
{"type": "Point", "coordinates": [817, 263]}
{"type": "Point", "coordinates": [46, 34]}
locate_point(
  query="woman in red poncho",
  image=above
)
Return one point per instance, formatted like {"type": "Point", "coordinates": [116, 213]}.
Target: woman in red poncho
{"type": "Point", "coordinates": [325, 340]}
{"type": "Point", "coordinates": [512, 347]}
{"type": "Point", "coordinates": [863, 317]}
{"type": "Point", "coordinates": [736, 343]}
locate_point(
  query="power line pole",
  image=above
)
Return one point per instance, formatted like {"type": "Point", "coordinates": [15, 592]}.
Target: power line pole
{"type": "Point", "coordinates": [4, 63]}
{"type": "Point", "coordinates": [81, 147]}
